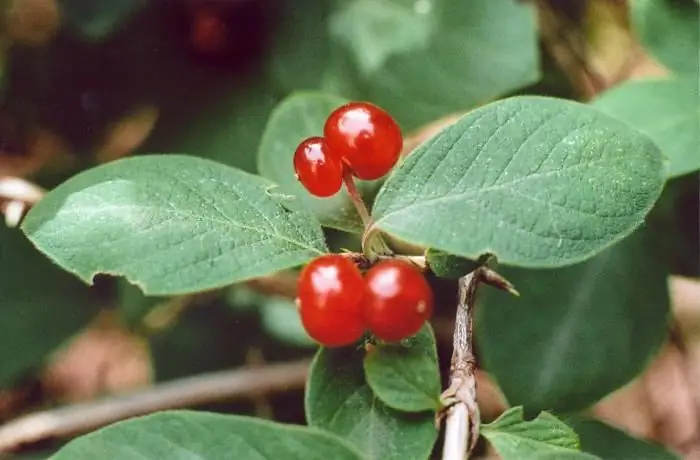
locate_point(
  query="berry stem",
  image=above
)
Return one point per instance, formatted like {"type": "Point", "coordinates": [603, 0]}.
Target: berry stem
{"type": "Point", "coordinates": [371, 245]}
{"type": "Point", "coordinates": [356, 198]}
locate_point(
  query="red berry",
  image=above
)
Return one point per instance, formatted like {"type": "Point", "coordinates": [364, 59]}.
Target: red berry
{"type": "Point", "coordinates": [398, 300]}
{"type": "Point", "coordinates": [319, 172]}
{"type": "Point", "coordinates": [366, 137]}
{"type": "Point", "coordinates": [331, 290]}
{"type": "Point", "coordinates": [209, 33]}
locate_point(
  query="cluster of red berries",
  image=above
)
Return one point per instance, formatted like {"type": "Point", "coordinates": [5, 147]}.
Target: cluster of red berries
{"type": "Point", "coordinates": [358, 136]}
{"type": "Point", "coordinates": [337, 305]}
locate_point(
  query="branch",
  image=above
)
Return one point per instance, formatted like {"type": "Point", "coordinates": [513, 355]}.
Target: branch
{"type": "Point", "coordinates": [16, 196]}
{"type": "Point", "coordinates": [181, 393]}
{"type": "Point", "coordinates": [462, 417]}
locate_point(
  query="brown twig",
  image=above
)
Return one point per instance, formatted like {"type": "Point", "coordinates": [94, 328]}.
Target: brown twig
{"type": "Point", "coordinates": [16, 196]}
{"type": "Point", "coordinates": [462, 418]}
{"type": "Point", "coordinates": [186, 392]}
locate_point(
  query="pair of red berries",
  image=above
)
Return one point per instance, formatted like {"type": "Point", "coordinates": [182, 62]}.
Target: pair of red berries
{"type": "Point", "coordinates": [337, 304]}
{"type": "Point", "coordinates": [359, 136]}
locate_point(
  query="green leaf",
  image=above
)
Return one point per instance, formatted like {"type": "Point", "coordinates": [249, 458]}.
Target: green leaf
{"type": "Point", "coordinates": [374, 30]}
{"type": "Point", "coordinates": [133, 304]}
{"type": "Point", "coordinates": [97, 19]}
{"type": "Point", "coordinates": [300, 116]}
{"type": "Point", "coordinates": [218, 118]}
{"type": "Point", "coordinates": [181, 435]}
{"type": "Point", "coordinates": [171, 224]}
{"type": "Point", "coordinates": [539, 182]}
{"type": "Point", "coordinates": [339, 400]}
{"type": "Point", "coordinates": [480, 49]}
{"type": "Point", "coordinates": [666, 110]}
{"type": "Point", "coordinates": [448, 266]}
{"type": "Point", "coordinates": [406, 376]}
{"type": "Point", "coordinates": [670, 29]}
{"type": "Point", "coordinates": [41, 306]}
{"type": "Point", "coordinates": [568, 455]}
{"type": "Point", "coordinates": [515, 438]}
{"type": "Point", "coordinates": [300, 48]}
{"type": "Point", "coordinates": [281, 319]}
{"type": "Point", "coordinates": [589, 328]}
{"type": "Point", "coordinates": [609, 443]}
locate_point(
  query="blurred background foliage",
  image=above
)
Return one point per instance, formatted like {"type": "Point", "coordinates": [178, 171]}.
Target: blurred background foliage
{"type": "Point", "coordinates": [86, 82]}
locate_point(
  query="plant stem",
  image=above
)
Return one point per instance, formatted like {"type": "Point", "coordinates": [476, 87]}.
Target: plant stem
{"type": "Point", "coordinates": [372, 242]}
{"type": "Point", "coordinates": [186, 392]}
{"type": "Point", "coordinates": [356, 199]}
{"type": "Point", "coordinates": [462, 418]}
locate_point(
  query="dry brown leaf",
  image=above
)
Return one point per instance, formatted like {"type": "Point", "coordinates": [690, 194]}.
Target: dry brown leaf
{"type": "Point", "coordinates": [127, 134]}
{"type": "Point", "coordinates": [32, 22]}
{"type": "Point", "coordinates": [104, 359]}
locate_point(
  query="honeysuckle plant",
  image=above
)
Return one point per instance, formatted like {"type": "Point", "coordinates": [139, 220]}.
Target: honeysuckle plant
{"type": "Point", "coordinates": [563, 201]}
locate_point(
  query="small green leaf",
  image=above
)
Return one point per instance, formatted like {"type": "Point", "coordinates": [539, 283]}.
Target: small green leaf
{"type": "Point", "coordinates": [41, 306]}
{"type": "Point", "coordinates": [375, 30]}
{"type": "Point", "coordinates": [406, 376]}
{"type": "Point", "coordinates": [515, 438]}
{"type": "Point", "coordinates": [539, 182]}
{"type": "Point", "coordinates": [666, 110]}
{"type": "Point", "coordinates": [300, 116]}
{"type": "Point", "coordinates": [280, 318]}
{"type": "Point", "coordinates": [448, 266]}
{"type": "Point", "coordinates": [171, 224]}
{"type": "Point", "coordinates": [609, 443]}
{"type": "Point", "coordinates": [670, 29]}
{"type": "Point", "coordinates": [589, 328]}
{"type": "Point", "coordinates": [339, 400]}
{"type": "Point", "coordinates": [479, 50]}
{"type": "Point", "coordinates": [180, 435]}
{"type": "Point", "coordinates": [97, 19]}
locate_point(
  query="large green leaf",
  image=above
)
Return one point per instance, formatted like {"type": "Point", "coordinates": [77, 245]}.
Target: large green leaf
{"type": "Point", "coordinates": [41, 306]}
{"type": "Point", "coordinates": [670, 29]}
{"type": "Point", "coordinates": [479, 49]}
{"type": "Point", "coordinates": [538, 182]}
{"type": "Point", "coordinates": [609, 443]}
{"type": "Point", "coordinates": [374, 30]}
{"type": "Point", "coordinates": [339, 400]}
{"type": "Point", "coordinates": [515, 438]}
{"type": "Point", "coordinates": [171, 224]}
{"type": "Point", "coordinates": [406, 376]}
{"type": "Point", "coordinates": [300, 116]}
{"type": "Point", "coordinates": [187, 435]}
{"type": "Point", "coordinates": [576, 333]}
{"type": "Point", "coordinates": [667, 110]}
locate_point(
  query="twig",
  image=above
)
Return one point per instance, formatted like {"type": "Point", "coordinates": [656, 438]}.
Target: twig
{"type": "Point", "coordinates": [16, 196]}
{"type": "Point", "coordinates": [186, 392]}
{"type": "Point", "coordinates": [462, 416]}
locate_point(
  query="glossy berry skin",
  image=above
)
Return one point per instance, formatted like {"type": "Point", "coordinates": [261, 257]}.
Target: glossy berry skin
{"type": "Point", "coordinates": [319, 172]}
{"type": "Point", "coordinates": [366, 137]}
{"type": "Point", "coordinates": [331, 291]}
{"type": "Point", "coordinates": [398, 300]}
